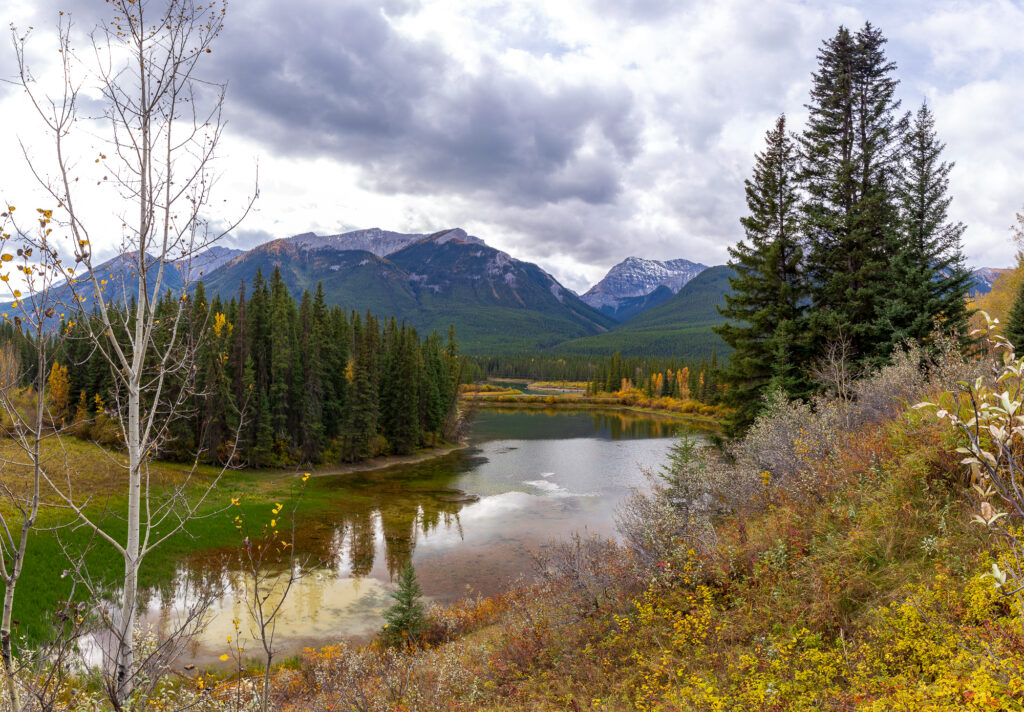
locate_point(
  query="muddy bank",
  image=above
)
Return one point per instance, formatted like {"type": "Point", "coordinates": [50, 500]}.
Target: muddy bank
{"type": "Point", "coordinates": [373, 463]}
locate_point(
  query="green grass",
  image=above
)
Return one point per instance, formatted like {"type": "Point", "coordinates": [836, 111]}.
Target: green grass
{"type": "Point", "coordinates": [58, 536]}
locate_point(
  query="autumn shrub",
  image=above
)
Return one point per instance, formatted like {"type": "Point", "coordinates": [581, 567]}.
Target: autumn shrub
{"type": "Point", "coordinates": [988, 416]}
{"type": "Point", "coordinates": [584, 569]}
{"type": "Point", "coordinates": [445, 623]}
{"type": "Point", "coordinates": [376, 678]}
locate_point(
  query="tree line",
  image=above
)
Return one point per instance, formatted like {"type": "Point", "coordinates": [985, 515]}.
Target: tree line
{"type": "Point", "coordinates": [847, 238]}
{"type": "Point", "coordinates": [657, 377]}
{"type": "Point", "coordinates": [275, 381]}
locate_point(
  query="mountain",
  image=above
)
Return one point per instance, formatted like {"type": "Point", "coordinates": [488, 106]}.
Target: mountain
{"type": "Point", "coordinates": [680, 326]}
{"type": "Point", "coordinates": [632, 279]}
{"type": "Point", "coordinates": [984, 278]}
{"type": "Point", "coordinates": [497, 303]}
{"type": "Point", "coordinates": [206, 262]}
{"type": "Point", "coordinates": [120, 286]}
{"type": "Point", "coordinates": [628, 307]}
{"type": "Point", "coordinates": [379, 242]}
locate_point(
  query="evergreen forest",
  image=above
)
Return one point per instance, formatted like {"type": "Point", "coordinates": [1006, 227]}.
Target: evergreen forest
{"type": "Point", "coordinates": [276, 381]}
{"type": "Point", "coordinates": [848, 250]}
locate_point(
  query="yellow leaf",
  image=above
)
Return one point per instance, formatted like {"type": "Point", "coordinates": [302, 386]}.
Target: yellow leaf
{"type": "Point", "coordinates": [225, 656]}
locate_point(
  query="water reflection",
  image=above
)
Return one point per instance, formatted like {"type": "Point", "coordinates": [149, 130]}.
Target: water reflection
{"type": "Point", "coordinates": [564, 423]}
{"type": "Point", "coordinates": [469, 521]}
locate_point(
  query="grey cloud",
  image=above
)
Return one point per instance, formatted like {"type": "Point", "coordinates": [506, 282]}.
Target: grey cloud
{"type": "Point", "coordinates": [523, 28]}
{"type": "Point", "coordinates": [414, 120]}
{"type": "Point", "coordinates": [560, 166]}
{"type": "Point", "coordinates": [246, 239]}
{"type": "Point", "coordinates": [640, 10]}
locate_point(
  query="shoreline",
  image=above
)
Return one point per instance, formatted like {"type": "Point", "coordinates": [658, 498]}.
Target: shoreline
{"type": "Point", "coordinates": [701, 420]}
{"type": "Point", "coordinates": [374, 463]}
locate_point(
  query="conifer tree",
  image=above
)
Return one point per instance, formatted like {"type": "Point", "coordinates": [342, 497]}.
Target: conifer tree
{"type": "Point", "coordinates": [765, 310]}
{"type": "Point", "coordinates": [1014, 330]}
{"type": "Point", "coordinates": [410, 377]}
{"type": "Point", "coordinates": [406, 618]}
{"type": "Point", "coordinates": [311, 368]}
{"type": "Point", "coordinates": [850, 153]}
{"type": "Point", "coordinates": [282, 352]}
{"type": "Point", "coordinates": [364, 413]}
{"type": "Point", "coordinates": [930, 274]}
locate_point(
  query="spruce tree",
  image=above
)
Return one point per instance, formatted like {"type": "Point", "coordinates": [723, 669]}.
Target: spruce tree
{"type": "Point", "coordinates": [406, 618]}
{"type": "Point", "coordinates": [409, 372]}
{"type": "Point", "coordinates": [282, 346]}
{"type": "Point", "coordinates": [850, 153]}
{"type": "Point", "coordinates": [930, 273]}
{"type": "Point", "coordinates": [364, 413]}
{"type": "Point", "coordinates": [765, 310]}
{"type": "Point", "coordinates": [311, 353]}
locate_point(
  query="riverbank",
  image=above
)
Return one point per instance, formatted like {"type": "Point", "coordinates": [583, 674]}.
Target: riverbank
{"type": "Point", "coordinates": [692, 412]}
{"type": "Point", "coordinates": [382, 462]}
{"type": "Point", "coordinates": [697, 421]}
{"type": "Point", "coordinates": [854, 579]}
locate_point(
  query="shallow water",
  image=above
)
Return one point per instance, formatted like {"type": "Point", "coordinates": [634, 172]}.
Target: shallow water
{"type": "Point", "coordinates": [539, 475]}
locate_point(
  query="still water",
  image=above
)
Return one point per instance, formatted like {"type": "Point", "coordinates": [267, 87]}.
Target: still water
{"type": "Point", "coordinates": [469, 522]}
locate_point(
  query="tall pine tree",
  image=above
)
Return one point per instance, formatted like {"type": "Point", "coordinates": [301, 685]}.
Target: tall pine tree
{"type": "Point", "coordinates": [765, 310]}
{"type": "Point", "coordinates": [851, 153]}
{"type": "Point", "coordinates": [930, 271]}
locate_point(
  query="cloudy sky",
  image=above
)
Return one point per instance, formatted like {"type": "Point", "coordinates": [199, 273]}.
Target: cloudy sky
{"type": "Point", "coordinates": [572, 133]}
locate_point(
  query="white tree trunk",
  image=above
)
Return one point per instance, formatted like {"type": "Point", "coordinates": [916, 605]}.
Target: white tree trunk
{"type": "Point", "coordinates": [129, 600]}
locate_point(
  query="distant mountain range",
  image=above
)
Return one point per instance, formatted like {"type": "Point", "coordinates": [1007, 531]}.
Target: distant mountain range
{"type": "Point", "coordinates": [636, 284]}
{"type": "Point", "coordinates": [498, 304]}
{"type": "Point", "coordinates": [680, 326]}
{"type": "Point", "coordinates": [984, 278]}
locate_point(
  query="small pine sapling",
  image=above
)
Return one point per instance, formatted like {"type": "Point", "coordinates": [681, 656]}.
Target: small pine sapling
{"type": "Point", "coordinates": [406, 618]}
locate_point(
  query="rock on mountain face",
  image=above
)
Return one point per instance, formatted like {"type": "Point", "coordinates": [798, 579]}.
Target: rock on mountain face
{"type": "Point", "coordinates": [374, 240]}
{"type": "Point", "coordinates": [681, 326]}
{"type": "Point", "coordinates": [496, 302]}
{"type": "Point", "coordinates": [206, 262]}
{"type": "Point", "coordinates": [121, 283]}
{"type": "Point", "coordinates": [984, 277]}
{"type": "Point", "coordinates": [616, 295]}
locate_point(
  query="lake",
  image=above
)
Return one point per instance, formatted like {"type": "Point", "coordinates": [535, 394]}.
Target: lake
{"type": "Point", "coordinates": [539, 475]}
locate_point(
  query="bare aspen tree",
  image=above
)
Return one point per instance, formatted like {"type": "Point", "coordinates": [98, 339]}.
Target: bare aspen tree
{"type": "Point", "coordinates": [154, 144]}
{"type": "Point", "coordinates": [29, 267]}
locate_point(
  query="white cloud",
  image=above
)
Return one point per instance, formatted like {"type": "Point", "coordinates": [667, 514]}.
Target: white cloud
{"type": "Point", "coordinates": [575, 134]}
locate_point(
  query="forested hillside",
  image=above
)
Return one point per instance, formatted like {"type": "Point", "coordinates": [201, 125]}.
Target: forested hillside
{"type": "Point", "coordinates": [680, 326]}
{"type": "Point", "coordinates": [498, 304]}
{"type": "Point", "coordinates": [277, 381]}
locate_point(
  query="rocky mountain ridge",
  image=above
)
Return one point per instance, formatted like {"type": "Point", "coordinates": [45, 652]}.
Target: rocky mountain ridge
{"type": "Point", "coordinates": [637, 277]}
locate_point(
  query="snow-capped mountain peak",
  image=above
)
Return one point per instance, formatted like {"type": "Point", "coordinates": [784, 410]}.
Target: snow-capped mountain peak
{"type": "Point", "coordinates": [638, 277]}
